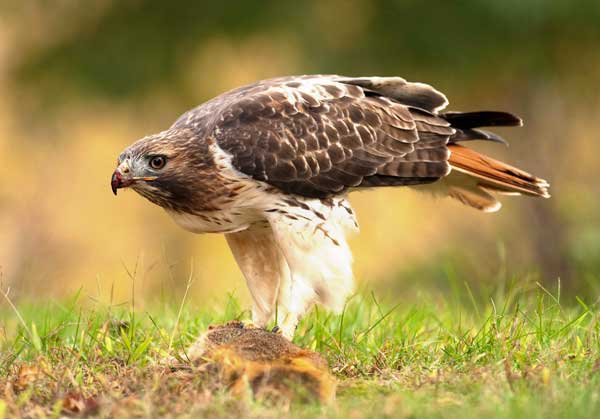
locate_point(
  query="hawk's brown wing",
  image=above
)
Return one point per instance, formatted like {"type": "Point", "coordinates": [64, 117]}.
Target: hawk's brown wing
{"type": "Point", "coordinates": [317, 136]}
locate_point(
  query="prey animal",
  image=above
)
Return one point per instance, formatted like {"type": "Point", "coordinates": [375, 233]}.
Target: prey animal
{"type": "Point", "coordinates": [271, 164]}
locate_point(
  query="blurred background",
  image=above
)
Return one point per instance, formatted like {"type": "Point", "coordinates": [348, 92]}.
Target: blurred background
{"type": "Point", "coordinates": [79, 81]}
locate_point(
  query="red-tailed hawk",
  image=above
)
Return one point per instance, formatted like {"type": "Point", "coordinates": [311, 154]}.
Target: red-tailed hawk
{"type": "Point", "coordinates": [271, 164]}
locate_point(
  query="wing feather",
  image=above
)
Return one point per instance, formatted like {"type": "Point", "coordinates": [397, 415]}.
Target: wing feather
{"type": "Point", "coordinates": [417, 95]}
{"type": "Point", "coordinates": [319, 136]}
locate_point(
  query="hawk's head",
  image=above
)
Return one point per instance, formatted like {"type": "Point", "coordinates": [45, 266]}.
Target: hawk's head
{"type": "Point", "coordinates": [164, 168]}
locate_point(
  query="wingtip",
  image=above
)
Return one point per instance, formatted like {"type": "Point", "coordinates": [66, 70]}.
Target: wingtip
{"type": "Point", "coordinates": [509, 119]}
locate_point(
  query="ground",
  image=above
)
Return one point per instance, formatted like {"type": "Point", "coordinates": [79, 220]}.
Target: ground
{"type": "Point", "coordinates": [520, 351]}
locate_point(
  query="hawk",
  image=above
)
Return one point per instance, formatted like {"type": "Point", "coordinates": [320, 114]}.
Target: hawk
{"type": "Point", "coordinates": [271, 164]}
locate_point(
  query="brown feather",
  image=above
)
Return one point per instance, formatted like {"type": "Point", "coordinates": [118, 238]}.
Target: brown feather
{"type": "Point", "coordinates": [494, 175]}
{"type": "Point", "coordinates": [475, 197]}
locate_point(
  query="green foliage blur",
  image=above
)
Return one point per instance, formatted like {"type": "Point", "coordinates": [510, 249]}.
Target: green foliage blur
{"type": "Point", "coordinates": [79, 81]}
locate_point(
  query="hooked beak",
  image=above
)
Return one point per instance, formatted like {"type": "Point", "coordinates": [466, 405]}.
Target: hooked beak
{"type": "Point", "coordinates": [122, 179]}
{"type": "Point", "coordinates": [118, 181]}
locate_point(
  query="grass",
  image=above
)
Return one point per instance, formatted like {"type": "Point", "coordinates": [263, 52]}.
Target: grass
{"type": "Point", "coordinates": [520, 353]}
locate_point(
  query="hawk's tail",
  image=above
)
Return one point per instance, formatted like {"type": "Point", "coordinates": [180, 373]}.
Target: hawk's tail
{"type": "Point", "coordinates": [474, 176]}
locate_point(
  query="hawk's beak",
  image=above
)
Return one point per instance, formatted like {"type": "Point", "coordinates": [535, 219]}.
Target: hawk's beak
{"type": "Point", "coordinates": [118, 180]}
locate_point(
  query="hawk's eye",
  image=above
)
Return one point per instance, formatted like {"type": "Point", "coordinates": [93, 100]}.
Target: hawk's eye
{"type": "Point", "coordinates": [158, 162]}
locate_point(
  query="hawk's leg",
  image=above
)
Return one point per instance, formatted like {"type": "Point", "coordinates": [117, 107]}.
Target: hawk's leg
{"type": "Point", "coordinates": [263, 266]}
{"type": "Point", "coordinates": [312, 238]}
{"type": "Point", "coordinates": [295, 298]}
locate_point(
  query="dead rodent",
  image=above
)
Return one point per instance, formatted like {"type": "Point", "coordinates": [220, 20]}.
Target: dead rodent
{"type": "Point", "coordinates": [255, 361]}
